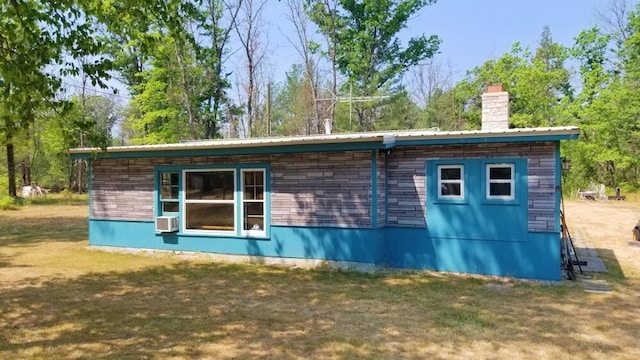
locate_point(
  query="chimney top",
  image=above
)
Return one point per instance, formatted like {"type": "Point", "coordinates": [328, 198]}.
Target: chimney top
{"type": "Point", "coordinates": [495, 88]}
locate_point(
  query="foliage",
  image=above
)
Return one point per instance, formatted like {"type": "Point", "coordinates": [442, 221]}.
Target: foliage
{"type": "Point", "coordinates": [367, 49]}
{"type": "Point", "coordinates": [36, 39]}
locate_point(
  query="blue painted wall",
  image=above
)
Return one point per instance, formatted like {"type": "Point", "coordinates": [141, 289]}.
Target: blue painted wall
{"type": "Point", "coordinates": [357, 245]}
{"type": "Point", "coordinates": [535, 257]}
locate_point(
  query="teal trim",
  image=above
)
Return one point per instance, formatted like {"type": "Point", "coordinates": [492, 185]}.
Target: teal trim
{"type": "Point", "coordinates": [256, 150]}
{"type": "Point", "coordinates": [535, 256]}
{"type": "Point", "coordinates": [374, 145]}
{"type": "Point", "coordinates": [485, 140]}
{"type": "Point", "coordinates": [356, 245]}
{"type": "Point", "coordinates": [374, 188]}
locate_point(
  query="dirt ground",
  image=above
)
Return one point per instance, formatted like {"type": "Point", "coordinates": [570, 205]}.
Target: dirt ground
{"type": "Point", "coordinates": [607, 226]}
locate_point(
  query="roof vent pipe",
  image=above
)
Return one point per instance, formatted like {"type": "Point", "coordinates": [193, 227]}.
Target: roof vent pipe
{"type": "Point", "coordinates": [495, 108]}
{"type": "Point", "coordinates": [327, 126]}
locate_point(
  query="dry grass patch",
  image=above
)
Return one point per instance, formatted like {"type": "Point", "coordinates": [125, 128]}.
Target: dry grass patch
{"type": "Point", "coordinates": [60, 300]}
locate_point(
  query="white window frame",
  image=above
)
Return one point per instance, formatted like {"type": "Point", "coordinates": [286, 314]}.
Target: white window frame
{"type": "Point", "coordinates": [441, 182]}
{"type": "Point", "coordinates": [162, 200]}
{"type": "Point", "coordinates": [490, 181]}
{"type": "Point", "coordinates": [263, 231]}
{"type": "Point", "coordinates": [186, 202]}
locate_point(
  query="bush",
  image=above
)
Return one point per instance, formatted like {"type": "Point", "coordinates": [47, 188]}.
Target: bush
{"type": "Point", "coordinates": [9, 203]}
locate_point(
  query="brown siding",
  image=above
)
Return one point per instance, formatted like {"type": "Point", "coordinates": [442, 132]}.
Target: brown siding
{"type": "Point", "coordinates": [307, 189]}
{"type": "Point", "coordinates": [122, 189]}
{"type": "Point", "coordinates": [381, 191]}
{"type": "Point", "coordinates": [406, 179]}
{"type": "Point", "coordinates": [321, 189]}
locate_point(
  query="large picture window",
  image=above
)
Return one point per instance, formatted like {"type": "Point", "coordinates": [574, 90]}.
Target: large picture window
{"type": "Point", "coordinates": [450, 182]}
{"type": "Point", "coordinates": [226, 201]}
{"type": "Point", "coordinates": [500, 181]}
{"type": "Point", "coordinates": [210, 200]}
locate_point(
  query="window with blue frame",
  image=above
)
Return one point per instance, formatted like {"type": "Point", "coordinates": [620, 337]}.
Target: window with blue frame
{"type": "Point", "coordinates": [228, 201]}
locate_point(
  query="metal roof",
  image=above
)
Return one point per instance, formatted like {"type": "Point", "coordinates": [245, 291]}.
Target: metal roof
{"type": "Point", "coordinates": [383, 137]}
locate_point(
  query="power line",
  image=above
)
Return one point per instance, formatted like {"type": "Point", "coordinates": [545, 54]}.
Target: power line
{"type": "Point", "coordinates": [97, 91]}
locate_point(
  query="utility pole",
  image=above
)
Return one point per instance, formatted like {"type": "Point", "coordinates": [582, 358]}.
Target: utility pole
{"type": "Point", "coordinates": [268, 109]}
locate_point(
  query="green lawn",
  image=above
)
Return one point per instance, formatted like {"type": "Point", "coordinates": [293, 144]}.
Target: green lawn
{"type": "Point", "coordinates": [60, 299]}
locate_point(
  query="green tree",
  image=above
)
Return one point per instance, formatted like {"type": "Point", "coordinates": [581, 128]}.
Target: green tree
{"type": "Point", "coordinates": [367, 49]}
{"type": "Point", "coordinates": [36, 38]}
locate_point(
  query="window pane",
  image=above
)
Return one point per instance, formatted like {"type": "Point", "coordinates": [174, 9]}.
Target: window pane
{"type": "Point", "coordinates": [249, 193]}
{"type": "Point", "coordinates": [169, 206]}
{"type": "Point", "coordinates": [253, 208]}
{"type": "Point", "coordinates": [450, 174]}
{"type": "Point", "coordinates": [215, 185]}
{"type": "Point", "coordinates": [210, 217]}
{"type": "Point", "coordinates": [259, 192]}
{"type": "Point", "coordinates": [500, 189]}
{"type": "Point", "coordinates": [169, 178]}
{"type": "Point", "coordinates": [169, 192]}
{"type": "Point", "coordinates": [500, 173]}
{"type": "Point", "coordinates": [253, 178]}
{"type": "Point", "coordinates": [254, 223]}
{"type": "Point", "coordinates": [452, 189]}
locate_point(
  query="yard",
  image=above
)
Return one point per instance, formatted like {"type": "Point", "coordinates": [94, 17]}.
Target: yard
{"type": "Point", "coordinates": [59, 299]}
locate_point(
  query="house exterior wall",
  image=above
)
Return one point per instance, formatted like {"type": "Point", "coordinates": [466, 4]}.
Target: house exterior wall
{"type": "Point", "coordinates": [307, 189]}
{"type": "Point", "coordinates": [407, 179]}
{"type": "Point", "coordinates": [355, 206]}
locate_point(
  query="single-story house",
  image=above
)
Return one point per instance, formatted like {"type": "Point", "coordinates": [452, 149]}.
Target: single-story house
{"type": "Point", "coordinates": [482, 202]}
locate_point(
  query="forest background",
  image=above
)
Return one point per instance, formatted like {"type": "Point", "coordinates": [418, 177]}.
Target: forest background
{"type": "Point", "coordinates": [97, 73]}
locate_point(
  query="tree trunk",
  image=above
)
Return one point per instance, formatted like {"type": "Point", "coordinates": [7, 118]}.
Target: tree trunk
{"type": "Point", "coordinates": [11, 167]}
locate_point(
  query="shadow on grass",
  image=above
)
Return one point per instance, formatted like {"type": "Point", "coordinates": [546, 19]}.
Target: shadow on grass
{"type": "Point", "coordinates": [49, 201]}
{"type": "Point", "coordinates": [614, 270]}
{"type": "Point", "coordinates": [239, 311]}
{"type": "Point", "coordinates": [31, 230]}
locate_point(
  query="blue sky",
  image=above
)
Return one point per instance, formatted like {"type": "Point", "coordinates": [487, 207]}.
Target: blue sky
{"type": "Point", "coordinates": [472, 31]}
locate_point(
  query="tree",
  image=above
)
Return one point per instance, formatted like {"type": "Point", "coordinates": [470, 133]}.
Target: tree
{"type": "Point", "coordinates": [367, 49]}
{"type": "Point", "coordinates": [36, 37]}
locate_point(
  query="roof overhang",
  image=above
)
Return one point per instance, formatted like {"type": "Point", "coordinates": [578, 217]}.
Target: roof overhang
{"type": "Point", "coordinates": [331, 142]}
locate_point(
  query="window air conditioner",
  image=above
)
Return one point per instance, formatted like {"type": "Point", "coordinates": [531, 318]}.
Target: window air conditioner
{"type": "Point", "coordinates": [166, 224]}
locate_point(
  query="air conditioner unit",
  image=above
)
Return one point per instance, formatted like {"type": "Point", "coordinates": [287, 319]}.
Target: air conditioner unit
{"type": "Point", "coordinates": [166, 224]}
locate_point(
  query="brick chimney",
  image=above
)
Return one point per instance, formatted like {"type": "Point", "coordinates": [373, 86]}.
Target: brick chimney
{"type": "Point", "coordinates": [495, 108]}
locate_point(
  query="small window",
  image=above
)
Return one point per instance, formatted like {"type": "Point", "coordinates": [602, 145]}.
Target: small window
{"type": "Point", "coordinates": [451, 182]}
{"type": "Point", "coordinates": [500, 181]}
{"type": "Point", "coordinates": [253, 206]}
{"type": "Point", "coordinates": [169, 190]}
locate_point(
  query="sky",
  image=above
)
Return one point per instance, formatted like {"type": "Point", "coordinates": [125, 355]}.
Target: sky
{"type": "Point", "coordinates": [472, 31]}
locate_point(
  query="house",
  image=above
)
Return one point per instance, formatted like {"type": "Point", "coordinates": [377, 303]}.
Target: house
{"type": "Point", "coordinates": [482, 202]}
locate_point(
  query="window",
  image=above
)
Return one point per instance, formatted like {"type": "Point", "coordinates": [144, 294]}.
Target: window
{"type": "Point", "coordinates": [169, 189]}
{"type": "Point", "coordinates": [500, 181]}
{"type": "Point", "coordinates": [450, 182]}
{"type": "Point", "coordinates": [253, 201]}
{"type": "Point", "coordinates": [229, 201]}
{"type": "Point", "coordinates": [210, 200]}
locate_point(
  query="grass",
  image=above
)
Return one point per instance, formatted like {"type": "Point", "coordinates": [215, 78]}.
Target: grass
{"type": "Point", "coordinates": [60, 299]}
